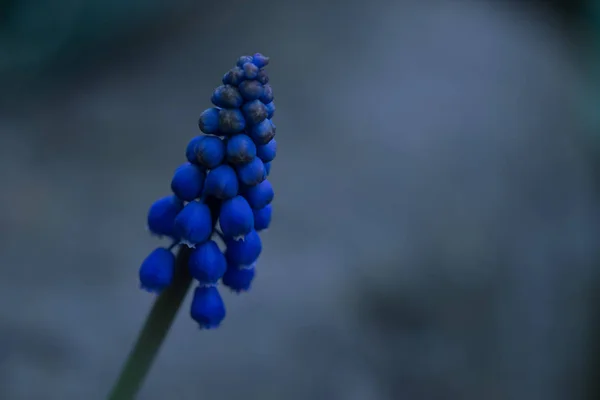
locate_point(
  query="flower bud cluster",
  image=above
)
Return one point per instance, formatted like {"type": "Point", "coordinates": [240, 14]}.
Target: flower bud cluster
{"type": "Point", "coordinates": [221, 195]}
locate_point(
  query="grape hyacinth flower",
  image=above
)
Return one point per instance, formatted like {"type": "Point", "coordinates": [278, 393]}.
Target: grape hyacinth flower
{"type": "Point", "coordinates": [230, 158]}
{"type": "Point", "coordinates": [219, 195]}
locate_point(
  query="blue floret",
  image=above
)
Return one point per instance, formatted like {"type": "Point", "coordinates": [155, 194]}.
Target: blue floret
{"type": "Point", "coordinates": [234, 76]}
{"type": "Point", "coordinates": [207, 263]}
{"type": "Point", "coordinates": [251, 90]}
{"type": "Point", "coordinates": [267, 152]}
{"type": "Point", "coordinates": [194, 223]}
{"type": "Point", "coordinates": [270, 109]}
{"type": "Point", "coordinates": [262, 133]}
{"type": "Point", "coordinates": [260, 60]}
{"type": "Point", "coordinates": [267, 94]}
{"type": "Point", "coordinates": [209, 121]}
{"type": "Point", "coordinates": [227, 96]}
{"type": "Point", "coordinates": [207, 309]}
{"type": "Point", "coordinates": [231, 121]}
{"type": "Point", "coordinates": [156, 272]}
{"type": "Point", "coordinates": [207, 151]}
{"type": "Point", "coordinates": [244, 252]}
{"type": "Point", "coordinates": [254, 112]}
{"type": "Point", "coordinates": [222, 182]}
{"type": "Point", "coordinates": [260, 195]}
{"type": "Point", "coordinates": [252, 173]}
{"type": "Point", "coordinates": [239, 279]}
{"type": "Point", "coordinates": [262, 77]}
{"type": "Point", "coordinates": [161, 216]}
{"type": "Point", "coordinates": [188, 181]}
{"type": "Point", "coordinates": [240, 149]}
{"type": "Point", "coordinates": [236, 218]}
{"type": "Point", "coordinates": [243, 60]}
{"type": "Point", "coordinates": [262, 217]}
{"type": "Point", "coordinates": [250, 70]}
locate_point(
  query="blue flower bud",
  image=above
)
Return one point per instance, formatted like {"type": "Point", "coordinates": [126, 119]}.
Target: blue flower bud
{"type": "Point", "coordinates": [162, 214]}
{"type": "Point", "coordinates": [260, 61]}
{"type": "Point", "coordinates": [268, 168]}
{"type": "Point", "coordinates": [251, 173]}
{"type": "Point", "coordinates": [251, 90]}
{"type": "Point", "coordinates": [254, 112]}
{"type": "Point", "coordinates": [231, 121]}
{"type": "Point", "coordinates": [188, 181]}
{"type": "Point", "coordinates": [234, 77]}
{"type": "Point", "coordinates": [221, 182]}
{"type": "Point", "coordinates": [262, 76]}
{"type": "Point", "coordinates": [267, 152]}
{"type": "Point", "coordinates": [263, 132]}
{"type": "Point", "coordinates": [250, 70]}
{"type": "Point", "coordinates": [236, 218]}
{"type": "Point", "coordinates": [227, 96]}
{"type": "Point", "coordinates": [270, 109]}
{"type": "Point", "coordinates": [207, 263]}
{"type": "Point", "coordinates": [194, 223]}
{"type": "Point", "coordinates": [209, 120]}
{"type": "Point", "coordinates": [208, 151]}
{"type": "Point", "coordinates": [260, 195]}
{"type": "Point", "coordinates": [240, 149]}
{"type": "Point", "coordinates": [207, 309]}
{"type": "Point", "coordinates": [239, 279]}
{"type": "Point", "coordinates": [244, 252]}
{"type": "Point", "coordinates": [267, 94]}
{"type": "Point", "coordinates": [156, 272]}
{"type": "Point", "coordinates": [243, 60]}
{"type": "Point", "coordinates": [262, 217]}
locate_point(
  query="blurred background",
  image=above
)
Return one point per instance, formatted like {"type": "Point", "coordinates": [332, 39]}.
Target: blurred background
{"type": "Point", "coordinates": [437, 198]}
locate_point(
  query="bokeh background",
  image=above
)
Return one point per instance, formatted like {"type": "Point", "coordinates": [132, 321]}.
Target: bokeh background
{"type": "Point", "coordinates": [437, 200]}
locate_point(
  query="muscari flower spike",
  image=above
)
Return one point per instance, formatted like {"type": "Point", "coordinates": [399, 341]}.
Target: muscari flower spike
{"type": "Point", "coordinates": [220, 194]}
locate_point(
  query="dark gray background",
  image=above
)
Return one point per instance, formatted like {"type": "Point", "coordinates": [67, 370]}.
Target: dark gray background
{"type": "Point", "coordinates": [435, 233]}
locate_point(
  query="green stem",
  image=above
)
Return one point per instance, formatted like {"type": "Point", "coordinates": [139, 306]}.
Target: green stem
{"type": "Point", "coordinates": [154, 332]}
